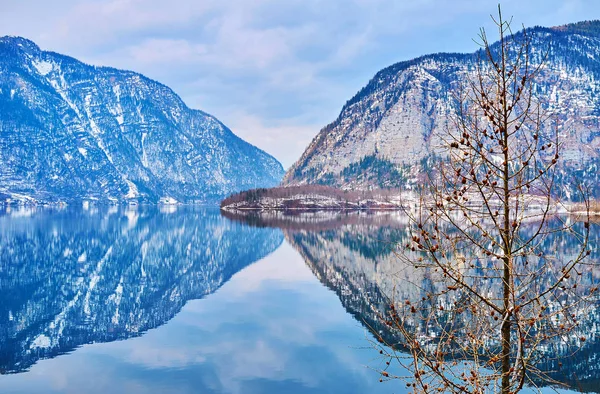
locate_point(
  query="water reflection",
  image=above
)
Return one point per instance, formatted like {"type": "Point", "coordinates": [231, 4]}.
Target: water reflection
{"type": "Point", "coordinates": [354, 255]}
{"type": "Point", "coordinates": [272, 328]}
{"type": "Point", "coordinates": [71, 277]}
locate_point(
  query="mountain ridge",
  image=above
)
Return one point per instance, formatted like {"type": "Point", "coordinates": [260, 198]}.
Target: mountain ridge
{"type": "Point", "coordinates": [56, 108]}
{"type": "Point", "coordinates": [392, 118]}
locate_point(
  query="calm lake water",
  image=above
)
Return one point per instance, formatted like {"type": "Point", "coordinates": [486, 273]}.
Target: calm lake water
{"type": "Point", "coordinates": [184, 300]}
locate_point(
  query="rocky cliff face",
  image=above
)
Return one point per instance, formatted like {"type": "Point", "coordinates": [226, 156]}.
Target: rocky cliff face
{"type": "Point", "coordinates": [384, 136]}
{"type": "Point", "coordinates": [71, 278]}
{"type": "Point", "coordinates": [70, 131]}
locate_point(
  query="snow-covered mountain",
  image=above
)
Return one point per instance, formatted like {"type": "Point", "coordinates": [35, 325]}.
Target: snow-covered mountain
{"type": "Point", "coordinates": [72, 278]}
{"type": "Point", "coordinates": [385, 134]}
{"type": "Point", "coordinates": [71, 131]}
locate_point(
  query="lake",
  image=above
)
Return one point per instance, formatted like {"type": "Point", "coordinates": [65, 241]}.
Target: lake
{"type": "Point", "coordinates": [182, 299]}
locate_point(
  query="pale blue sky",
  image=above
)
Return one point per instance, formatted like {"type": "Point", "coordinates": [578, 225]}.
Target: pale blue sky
{"type": "Point", "coordinates": [274, 71]}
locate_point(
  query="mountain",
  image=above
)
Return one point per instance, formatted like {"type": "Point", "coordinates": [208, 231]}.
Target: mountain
{"type": "Point", "coordinates": [69, 278]}
{"type": "Point", "coordinates": [356, 257]}
{"type": "Point", "coordinates": [385, 135]}
{"type": "Point", "coordinates": [70, 131]}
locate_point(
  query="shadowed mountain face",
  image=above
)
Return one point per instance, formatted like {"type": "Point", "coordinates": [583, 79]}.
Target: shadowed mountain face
{"type": "Point", "coordinates": [71, 131]}
{"type": "Point", "coordinates": [70, 278]}
{"type": "Point", "coordinates": [353, 254]}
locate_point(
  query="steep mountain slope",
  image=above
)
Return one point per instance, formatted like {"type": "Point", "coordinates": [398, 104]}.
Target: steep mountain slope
{"type": "Point", "coordinates": [70, 131]}
{"type": "Point", "coordinates": [71, 278]}
{"type": "Point", "coordinates": [385, 134]}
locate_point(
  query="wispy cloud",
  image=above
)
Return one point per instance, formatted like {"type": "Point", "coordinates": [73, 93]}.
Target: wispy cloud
{"type": "Point", "coordinates": [269, 136]}
{"type": "Point", "coordinates": [272, 70]}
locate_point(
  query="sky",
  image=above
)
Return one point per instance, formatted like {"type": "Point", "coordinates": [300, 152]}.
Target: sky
{"type": "Point", "coordinates": [274, 71]}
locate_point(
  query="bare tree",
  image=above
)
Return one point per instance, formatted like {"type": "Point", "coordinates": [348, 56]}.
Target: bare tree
{"type": "Point", "coordinates": [497, 296]}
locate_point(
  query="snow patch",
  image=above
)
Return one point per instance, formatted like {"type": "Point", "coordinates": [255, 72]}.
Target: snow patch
{"type": "Point", "coordinates": [59, 321]}
{"type": "Point", "coordinates": [168, 201]}
{"type": "Point", "coordinates": [94, 279]}
{"type": "Point", "coordinates": [61, 87]}
{"type": "Point", "coordinates": [83, 151]}
{"type": "Point", "coordinates": [144, 157]}
{"type": "Point", "coordinates": [133, 190]}
{"type": "Point", "coordinates": [116, 297]}
{"type": "Point", "coordinates": [96, 132]}
{"type": "Point", "coordinates": [43, 67]}
{"type": "Point", "coordinates": [132, 218]}
{"type": "Point", "coordinates": [41, 342]}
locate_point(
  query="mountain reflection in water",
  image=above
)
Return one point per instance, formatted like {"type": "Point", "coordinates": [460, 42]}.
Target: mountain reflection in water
{"type": "Point", "coordinates": [70, 278]}
{"type": "Point", "coordinates": [73, 277]}
{"type": "Point", "coordinates": [353, 254]}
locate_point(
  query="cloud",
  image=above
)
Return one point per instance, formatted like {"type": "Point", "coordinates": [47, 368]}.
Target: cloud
{"type": "Point", "coordinates": [283, 139]}
{"type": "Point", "coordinates": [153, 51]}
{"type": "Point", "coordinates": [280, 69]}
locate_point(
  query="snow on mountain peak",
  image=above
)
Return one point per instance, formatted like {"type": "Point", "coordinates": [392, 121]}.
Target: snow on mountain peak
{"type": "Point", "coordinates": [71, 131]}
